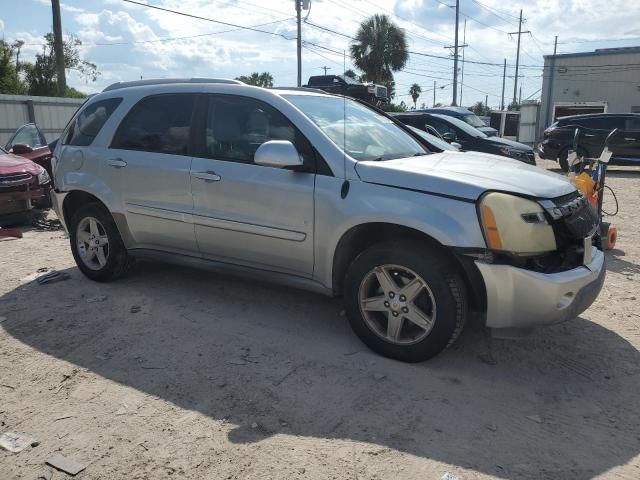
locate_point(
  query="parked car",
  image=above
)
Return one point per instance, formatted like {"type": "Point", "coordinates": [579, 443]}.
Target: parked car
{"type": "Point", "coordinates": [342, 85]}
{"type": "Point", "coordinates": [23, 186]}
{"type": "Point", "coordinates": [594, 128]}
{"type": "Point", "coordinates": [469, 138]}
{"type": "Point", "coordinates": [433, 141]}
{"type": "Point", "coordinates": [466, 115]}
{"type": "Point", "coordinates": [275, 185]}
{"type": "Point", "coordinates": [29, 142]}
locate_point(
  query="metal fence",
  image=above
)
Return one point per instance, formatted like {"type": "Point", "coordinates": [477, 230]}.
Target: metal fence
{"type": "Point", "coordinates": [50, 114]}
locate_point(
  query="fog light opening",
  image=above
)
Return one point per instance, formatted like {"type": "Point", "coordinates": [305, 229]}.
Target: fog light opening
{"type": "Point", "coordinates": [565, 300]}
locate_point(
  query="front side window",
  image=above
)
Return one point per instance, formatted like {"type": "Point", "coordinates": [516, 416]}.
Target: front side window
{"type": "Point", "coordinates": [236, 126]}
{"type": "Point", "coordinates": [159, 124]}
{"type": "Point", "coordinates": [456, 123]}
{"type": "Point", "coordinates": [359, 131]}
{"type": "Point", "coordinates": [474, 121]}
{"type": "Point", "coordinates": [27, 135]}
{"type": "Point", "coordinates": [87, 124]}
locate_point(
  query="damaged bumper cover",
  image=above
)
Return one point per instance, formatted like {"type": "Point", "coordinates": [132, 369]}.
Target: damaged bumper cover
{"type": "Point", "coordinates": [519, 298]}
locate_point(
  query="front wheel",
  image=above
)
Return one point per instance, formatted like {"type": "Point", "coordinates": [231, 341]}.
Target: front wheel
{"type": "Point", "coordinates": [404, 301]}
{"type": "Point", "coordinates": [96, 244]}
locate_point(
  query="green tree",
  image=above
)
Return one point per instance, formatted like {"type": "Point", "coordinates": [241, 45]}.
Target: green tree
{"type": "Point", "coordinates": [415, 92]}
{"type": "Point", "coordinates": [264, 79]}
{"type": "Point", "coordinates": [394, 107]}
{"type": "Point", "coordinates": [9, 80]}
{"type": "Point", "coordinates": [480, 109]}
{"type": "Point", "coordinates": [379, 49]}
{"type": "Point", "coordinates": [351, 74]}
{"type": "Point", "coordinates": [41, 76]}
{"type": "Point", "coordinates": [514, 106]}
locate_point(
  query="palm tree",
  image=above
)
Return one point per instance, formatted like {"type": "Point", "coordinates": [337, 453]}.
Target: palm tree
{"type": "Point", "coordinates": [264, 79]}
{"type": "Point", "coordinates": [415, 92]}
{"type": "Point", "coordinates": [379, 48]}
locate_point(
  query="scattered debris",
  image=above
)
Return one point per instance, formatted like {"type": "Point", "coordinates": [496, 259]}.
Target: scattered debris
{"type": "Point", "coordinates": [307, 381]}
{"type": "Point", "coordinates": [15, 442]}
{"type": "Point", "coordinates": [301, 471]}
{"type": "Point", "coordinates": [42, 269]}
{"type": "Point", "coordinates": [10, 232]}
{"type": "Point", "coordinates": [254, 425]}
{"type": "Point", "coordinates": [151, 367]}
{"type": "Point", "coordinates": [66, 465]}
{"type": "Point", "coordinates": [492, 427]}
{"type": "Point", "coordinates": [2, 319]}
{"type": "Point", "coordinates": [287, 375]}
{"type": "Point", "coordinates": [238, 361]}
{"type": "Point", "coordinates": [449, 476]}
{"type": "Point", "coordinates": [535, 418]}
{"type": "Point", "coordinates": [135, 309]}
{"type": "Point", "coordinates": [7, 385]}
{"type": "Point", "coordinates": [47, 225]}
{"type": "Point", "coordinates": [46, 475]}
{"type": "Point", "coordinates": [53, 277]}
{"type": "Point", "coordinates": [350, 353]}
{"type": "Point", "coordinates": [63, 418]}
{"type": "Point", "coordinates": [121, 411]}
{"type": "Point", "coordinates": [379, 376]}
{"type": "Point", "coordinates": [97, 298]}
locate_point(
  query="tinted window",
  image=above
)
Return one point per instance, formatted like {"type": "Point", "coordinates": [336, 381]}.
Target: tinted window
{"type": "Point", "coordinates": [160, 124]}
{"type": "Point", "coordinates": [632, 124]}
{"type": "Point", "coordinates": [456, 124]}
{"type": "Point", "coordinates": [27, 135]}
{"type": "Point", "coordinates": [87, 124]}
{"type": "Point", "coordinates": [602, 123]}
{"type": "Point", "coordinates": [236, 126]}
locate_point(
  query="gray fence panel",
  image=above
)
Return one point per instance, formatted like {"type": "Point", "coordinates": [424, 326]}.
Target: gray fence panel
{"type": "Point", "coordinates": [51, 114]}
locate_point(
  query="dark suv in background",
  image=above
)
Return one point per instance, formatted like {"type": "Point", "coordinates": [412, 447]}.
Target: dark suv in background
{"type": "Point", "coordinates": [466, 115]}
{"type": "Point", "coordinates": [594, 128]}
{"type": "Point", "coordinates": [342, 85]}
{"type": "Point", "coordinates": [471, 139]}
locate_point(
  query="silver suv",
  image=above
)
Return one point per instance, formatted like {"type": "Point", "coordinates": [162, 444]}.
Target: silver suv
{"type": "Point", "coordinates": [322, 192]}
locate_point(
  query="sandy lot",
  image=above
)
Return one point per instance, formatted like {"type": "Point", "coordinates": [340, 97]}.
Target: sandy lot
{"type": "Point", "coordinates": [220, 378]}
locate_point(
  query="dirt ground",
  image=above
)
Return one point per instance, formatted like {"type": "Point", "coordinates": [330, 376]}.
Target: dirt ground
{"type": "Point", "coordinates": [178, 373]}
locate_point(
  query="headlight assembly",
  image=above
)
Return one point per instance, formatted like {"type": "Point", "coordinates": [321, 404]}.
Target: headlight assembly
{"type": "Point", "coordinates": [515, 224]}
{"type": "Point", "coordinates": [43, 177]}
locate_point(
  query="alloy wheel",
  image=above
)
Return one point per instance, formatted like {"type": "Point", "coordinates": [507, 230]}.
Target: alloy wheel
{"type": "Point", "coordinates": [93, 243]}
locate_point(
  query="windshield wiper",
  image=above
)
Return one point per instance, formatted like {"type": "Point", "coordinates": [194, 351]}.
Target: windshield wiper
{"type": "Point", "coordinates": [419, 154]}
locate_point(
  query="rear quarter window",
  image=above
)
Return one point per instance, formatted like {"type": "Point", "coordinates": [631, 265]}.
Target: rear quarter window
{"type": "Point", "coordinates": [84, 128]}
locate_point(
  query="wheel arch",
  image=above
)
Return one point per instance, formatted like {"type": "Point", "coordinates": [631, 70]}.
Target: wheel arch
{"type": "Point", "coordinates": [360, 237]}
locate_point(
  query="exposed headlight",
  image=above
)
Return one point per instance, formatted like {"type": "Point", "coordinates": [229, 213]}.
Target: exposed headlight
{"type": "Point", "coordinates": [515, 224]}
{"type": "Point", "coordinates": [43, 177]}
{"type": "Point", "coordinates": [510, 152]}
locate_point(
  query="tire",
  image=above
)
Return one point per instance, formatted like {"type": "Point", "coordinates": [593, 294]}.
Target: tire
{"type": "Point", "coordinates": [114, 261]}
{"type": "Point", "coordinates": [563, 158]}
{"type": "Point", "coordinates": [444, 300]}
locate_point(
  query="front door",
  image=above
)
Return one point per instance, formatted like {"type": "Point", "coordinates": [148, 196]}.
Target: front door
{"type": "Point", "coordinates": [245, 213]}
{"type": "Point", "coordinates": [628, 142]}
{"type": "Point", "coordinates": [148, 164]}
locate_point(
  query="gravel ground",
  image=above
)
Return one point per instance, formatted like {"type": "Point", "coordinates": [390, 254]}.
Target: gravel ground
{"type": "Point", "coordinates": [178, 373]}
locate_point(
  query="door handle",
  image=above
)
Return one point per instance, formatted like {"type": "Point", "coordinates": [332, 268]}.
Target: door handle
{"type": "Point", "coordinates": [116, 162]}
{"type": "Point", "coordinates": [628, 139]}
{"type": "Point", "coordinates": [208, 176]}
{"type": "Point", "coordinates": [589, 135]}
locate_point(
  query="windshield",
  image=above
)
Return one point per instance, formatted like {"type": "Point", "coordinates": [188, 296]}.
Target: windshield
{"type": "Point", "coordinates": [465, 127]}
{"type": "Point", "coordinates": [474, 120]}
{"type": "Point", "coordinates": [348, 80]}
{"type": "Point", "coordinates": [433, 140]}
{"type": "Point", "coordinates": [359, 131]}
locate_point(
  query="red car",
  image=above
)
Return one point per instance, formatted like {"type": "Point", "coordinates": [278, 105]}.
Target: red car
{"type": "Point", "coordinates": [29, 142]}
{"type": "Point", "coordinates": [23, 185]}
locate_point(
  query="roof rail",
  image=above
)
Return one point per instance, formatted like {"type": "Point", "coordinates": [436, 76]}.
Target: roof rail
{"type": "Point", "coordinates": [166, 81]}
{"type": "Point", "coordinates": [300, 89]}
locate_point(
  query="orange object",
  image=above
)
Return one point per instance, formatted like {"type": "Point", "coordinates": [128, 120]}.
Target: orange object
{"type": "Point", "coordinates": [585, 184]}
{"type": "Point", "coordinates": [612, 236]}
{"type": "Point", "coordinates": [491, 228]}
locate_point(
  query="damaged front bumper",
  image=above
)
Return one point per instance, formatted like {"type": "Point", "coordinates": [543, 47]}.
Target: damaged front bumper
{"type": "Point", "coordinates": [522, 299]}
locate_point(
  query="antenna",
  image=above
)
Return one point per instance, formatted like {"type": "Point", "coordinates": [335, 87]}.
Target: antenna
{"type": "Point", "coordinates": [344, 191]}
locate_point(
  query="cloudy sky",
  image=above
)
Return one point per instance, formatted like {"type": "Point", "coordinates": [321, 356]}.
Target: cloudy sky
{"type": "Point", "coordinates": [128, 41]}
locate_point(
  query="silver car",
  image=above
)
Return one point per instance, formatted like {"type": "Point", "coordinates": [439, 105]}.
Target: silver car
{"type": "Point", "coordinates": [321, 192]}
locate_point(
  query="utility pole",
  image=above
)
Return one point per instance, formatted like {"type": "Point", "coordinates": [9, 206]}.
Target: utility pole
{"type": "Point", "coordinates": [298, 19]}
{"type": "Point", "coordinates": [555, 45]}
{"type": "Point", "coordinates": [464, 44]}
{"type": "Point", "coordinates": [486, 102]}
{"type": "Point", "coordinates": [434, 93]}
{"type": "Point", "coordinates": [520, 97]}
{"type": "Point", "coordinates": [58, 47]}
{"type": "Point", "coordinates": [504, 78]}
{"type": "Point", "coordinates": [18, 45]}
{"type": "Point", "coordinates": [519, 32]}
{"type": "Point", "coordinates": [325, 69]}
{"type": "Point", "coordinates": [455, 58]}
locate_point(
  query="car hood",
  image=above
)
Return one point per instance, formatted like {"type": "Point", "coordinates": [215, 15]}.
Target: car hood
{"type": "Point", "coordinates": [499, 141]}
{"type": "Point", "coordinates": [464, 174]}
{"type": "Point", "coordinates": [14, 164]}
{"type": "Point", "coordinates": [489, 131]}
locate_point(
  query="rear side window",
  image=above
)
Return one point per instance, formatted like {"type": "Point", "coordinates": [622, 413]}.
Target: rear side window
{"type": "Point", "coordinates": [603, 123]}
{"type": "Point", "coordinates": [87, 124]}
{"type": "Point", "coordinates": [159, 124]}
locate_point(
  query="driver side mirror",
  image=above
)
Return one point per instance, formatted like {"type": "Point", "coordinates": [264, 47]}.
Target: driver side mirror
{"type": "Point", "coordinates": [21, 149]}
{"type": "Point", "coordinates": [449, 137]}
{"type": "Point", "coordinates": [277, 153]}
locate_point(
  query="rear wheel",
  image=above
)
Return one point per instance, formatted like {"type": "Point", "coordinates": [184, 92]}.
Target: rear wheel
{"type": "Point", "coordinates": [96, 244]}
{"type": "Point", "coordinates": [563, 158]}
{"type": "Point", "coordinates": [405, 302]}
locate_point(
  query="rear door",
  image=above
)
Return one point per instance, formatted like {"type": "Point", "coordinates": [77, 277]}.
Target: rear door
{"type": "Point", "coordinates": [594, 131]}
{"type": "Point", "coordinates": [245, 213]}
{"type": "Point", "coordinates": [628, 142]}
{"type": "Point", "coordinates": [148, 166]}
